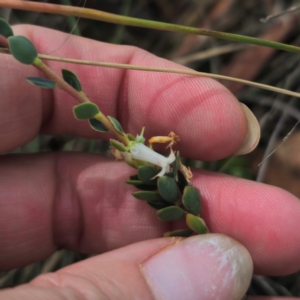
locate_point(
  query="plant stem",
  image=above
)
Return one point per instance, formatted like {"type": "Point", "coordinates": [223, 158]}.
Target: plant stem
{"type": "Point", "coordinates": [60, 81]}
{"type": "Point", "coordinates": [123, 20]}
{"type": "Point", "coordinates": [79, 96]}
{"type": "Point", "coordinates": [106, 122]}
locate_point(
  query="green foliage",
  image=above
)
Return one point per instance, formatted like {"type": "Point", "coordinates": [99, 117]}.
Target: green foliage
{"type": "Point", "coordinates": [191, 200]}
{"type": "Point", "coordinates": [119, 146]}
{"type": "Point", "coordinates": [147, 196]}
{"type": "Point", "coordinates": [171, 195]}
{"type": "Point", "coordinates": [5, 29]}
{"type": "Point", "coordinates": [134, 180]}
{"type": "Point", "coordinates": [146, 174]}
{"type": "Point", "coordinates": [158, 205]}
{"type": "Point", "coordinates": [71, 79]}
{"type": "Point", "coordinates": [42, 82]}
{"type": "Point", "coordinates": [176, 165]}
{"type": "Point", "coordinates": [181, 181]}
{"type": "Point", "coordinates": [168, 189]}
{"type": "Point", "coordinates": [130, 137]}
{"type": "Point", "coordinates": [140, 137]}
{"type": "Point", "coordinates": [22, 49]}
{"type": "Point", "coordinates": [85, 111]}
{"type": "Point", "coordinates": [116, 125]}
{"type": "Point", "coordinates": [196, 224]}
{"type": "Point", "coordinates": [171, 213]}
{"type": "Point", "coordinates": [140, 185]}
{"type": "Point", "coordinates": [97, 125]}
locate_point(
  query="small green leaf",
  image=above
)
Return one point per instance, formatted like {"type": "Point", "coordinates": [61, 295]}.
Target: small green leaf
{"type": "Point", "coordinates": [134, 182]}
{"type": "Point", "coordinates": [71, 78]}
{"type": "Point", "coordinates": [116, 125]}
{"type": "Point", "coordinates": [42, 82]}
{"type": "Point", "coordinates": [22, 49]}
{"type": "Point", "coordinates": [134, 177]}
{"type": "Point", "coordinates": [85, 111]}
{"type": "Point", "coordinates": [176, 166]}
{"type": "Point", "coordinates": [5, 29]}
{"type": "Point", "coordinates": [181, 232]}
{"type": "Point", "coordinates": [182, 182]}
{"type": "Point", "coordinates": [97, 125]}
{"type": "Point", "coordinates": [140, 137]}
{"type": "Point", "coordinates": [140, 185]}
{"type": "Point", "coordinates": [131, 162]}
{"type": "Point", "coordinates": [158, 205]}
{"type": "Point", "coordinates": [191, 200]}
{"type": "Point", "coordinates": [168, 189]}
{"type": "Point", "coordinates": [130, 137]}
{"type": "Point", "coordinates": [171, 213]}
{"type": "Point", "coordinates": [147, 196]}
{"type": "Point", "coordinates": [146, 173]}
{"type": "Point", "coordinates": [118, 145]}
{"type": "Point", "coordinates": [196, 223]}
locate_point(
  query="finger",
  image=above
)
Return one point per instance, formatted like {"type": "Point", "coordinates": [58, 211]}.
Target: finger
{"type": "Point", "coordinates": [209, 120]}
{"type": "Point", "coordinates": [203, 267]}
{"type": "Point", "coordinates": [263, 218]}
{"type": "Point", "coordinates": [270, 298]}
{"type": "Point", "coordinates": [81, 202]}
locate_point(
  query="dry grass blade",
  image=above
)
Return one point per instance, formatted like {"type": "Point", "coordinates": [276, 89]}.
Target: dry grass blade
{"type": "Point", "coordinates": [175, 71]}
{"type": "Point", "coordinates": [166, 70]}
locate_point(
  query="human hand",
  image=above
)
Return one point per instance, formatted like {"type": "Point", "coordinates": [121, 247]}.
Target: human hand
{"type": "Point", "coordinates": [80, 201]}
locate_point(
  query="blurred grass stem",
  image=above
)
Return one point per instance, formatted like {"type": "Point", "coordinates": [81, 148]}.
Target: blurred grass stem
{"type": "Point", "coordinates": [129, 21]}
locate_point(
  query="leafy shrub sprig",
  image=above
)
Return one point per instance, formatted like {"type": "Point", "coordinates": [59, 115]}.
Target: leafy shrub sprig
{"type": "Point", "coordinates": [163, 182]}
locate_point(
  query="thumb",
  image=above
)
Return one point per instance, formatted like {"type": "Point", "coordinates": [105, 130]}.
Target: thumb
{"type": "Point", "coordinates": [211, 266]}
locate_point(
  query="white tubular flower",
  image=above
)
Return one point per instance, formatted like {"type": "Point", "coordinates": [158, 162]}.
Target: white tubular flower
{"type": "Point", "coordinates": [140, 151]}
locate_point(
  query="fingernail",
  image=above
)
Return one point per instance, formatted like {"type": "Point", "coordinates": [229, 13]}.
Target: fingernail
{"type": "Point", "coordinates": [252, 135]}
{"type": "Point", "coordinates": [211, 266]}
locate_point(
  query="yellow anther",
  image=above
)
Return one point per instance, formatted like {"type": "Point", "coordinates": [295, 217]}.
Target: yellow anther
{"type": "Point", "coordinates": [171, 139]}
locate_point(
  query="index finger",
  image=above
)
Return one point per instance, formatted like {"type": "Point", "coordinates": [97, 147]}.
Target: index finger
{"type": "Point", "coordinates": [207, 117]}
